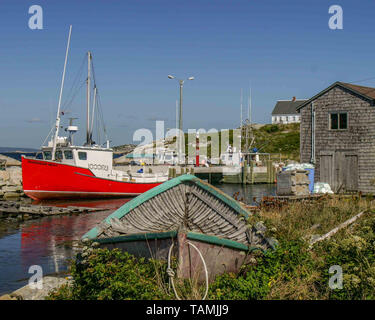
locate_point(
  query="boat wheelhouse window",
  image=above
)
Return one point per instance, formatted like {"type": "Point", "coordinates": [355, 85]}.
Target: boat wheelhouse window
{"type": "Point", "coordinates": [68, 154]}
{"type": "Point", "coordinates": [58, 155]}
{"type": "Point", "coordinates": [47, 155]}
{"type": "Point", "coordinates": [338, 121]}
{"type": "Point", "coordinates": [82, 155]}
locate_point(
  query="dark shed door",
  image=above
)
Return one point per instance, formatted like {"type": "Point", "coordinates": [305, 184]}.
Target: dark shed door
{"type": "Point", "coordinates": [351, 172]}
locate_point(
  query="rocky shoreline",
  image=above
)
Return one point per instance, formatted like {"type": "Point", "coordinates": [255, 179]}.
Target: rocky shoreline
{"type": "Point", "coordinates": [11, 184]}
{"type": "Point", "coordinates": [28, 293]}
{"type": "Point", "coordinates": [21, 210]}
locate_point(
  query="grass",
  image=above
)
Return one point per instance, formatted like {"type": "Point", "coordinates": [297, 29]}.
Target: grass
{"type": "Point", "coordinates": [279, 138]}
{"type": "Point", "coordinates": [297, 271]}
{"type": "Point", "coordinates": [276, 139]}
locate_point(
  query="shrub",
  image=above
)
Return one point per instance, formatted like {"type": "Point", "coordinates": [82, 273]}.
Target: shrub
{"type": "Point", "coordinates": [256, 279]}
{"type": "Point", "coordinates": [353, 250]}
{"type": "Point", "coordinates": [102, 274]}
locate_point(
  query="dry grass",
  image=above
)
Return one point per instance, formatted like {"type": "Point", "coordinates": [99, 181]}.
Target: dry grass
{"type": "Point", "coordinates": [303, 219]}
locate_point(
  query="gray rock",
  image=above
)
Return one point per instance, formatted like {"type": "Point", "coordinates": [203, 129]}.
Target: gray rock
{"type": "Point", "coordinates": [49, 284]}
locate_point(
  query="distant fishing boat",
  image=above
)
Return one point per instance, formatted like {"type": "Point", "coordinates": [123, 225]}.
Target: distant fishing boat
{"type": "Point", "coordinates": [69, 171]}
{"type": "Point", "coordinates": [188, 218]}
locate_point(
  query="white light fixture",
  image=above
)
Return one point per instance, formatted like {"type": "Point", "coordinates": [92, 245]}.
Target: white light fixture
{"type": "Point", "coordinates": [170, 77]}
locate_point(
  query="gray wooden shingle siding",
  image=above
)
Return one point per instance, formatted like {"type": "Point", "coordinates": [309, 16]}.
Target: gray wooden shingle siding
{"type": "Point", "coordinates": [343, 155]}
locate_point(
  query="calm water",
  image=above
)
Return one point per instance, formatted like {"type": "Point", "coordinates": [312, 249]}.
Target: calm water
{"type": "Point", "coordinates": [50, 241]}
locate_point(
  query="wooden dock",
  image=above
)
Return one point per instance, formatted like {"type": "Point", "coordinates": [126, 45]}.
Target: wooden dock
{"type": "Point", "coordinates": [247, 174]}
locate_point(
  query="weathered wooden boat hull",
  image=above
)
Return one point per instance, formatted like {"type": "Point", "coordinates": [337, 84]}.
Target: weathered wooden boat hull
{"type": "Point", "coordinates": [220, 255]}
{"type": "Point", "coordinates": [199, 223]}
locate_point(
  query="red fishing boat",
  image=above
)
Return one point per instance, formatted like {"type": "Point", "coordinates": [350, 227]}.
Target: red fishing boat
{"type": "Point", "coordinates": [69, 171]}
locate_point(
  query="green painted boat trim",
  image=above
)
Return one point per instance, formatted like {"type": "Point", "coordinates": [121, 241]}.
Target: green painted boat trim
{"type": "Point", "coordinates": [221, 242]}
{"type": "Point", "coordinates": [139, 237]}
{"type": "Point", "coordinates": [173, 234]}
{"type": "Point", "coordinates": [127, 207]}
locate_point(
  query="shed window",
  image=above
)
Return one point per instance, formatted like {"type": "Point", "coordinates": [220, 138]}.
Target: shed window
{"type": "Point", "coordinates": [338, 121]}
{"type": "Point", "coordinates": [82, 155]}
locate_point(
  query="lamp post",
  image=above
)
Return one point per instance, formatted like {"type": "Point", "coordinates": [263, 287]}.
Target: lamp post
{"type": "Point", "coordinates": [181, 83]}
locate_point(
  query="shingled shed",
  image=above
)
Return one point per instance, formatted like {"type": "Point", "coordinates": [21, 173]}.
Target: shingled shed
{"type": "Point", "coordinates": [338, 136]}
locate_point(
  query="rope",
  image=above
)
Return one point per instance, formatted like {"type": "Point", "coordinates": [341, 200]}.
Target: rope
{"type": "Point", "coordinates": [47, 137]}
{"type": "Point", "coordinates": [171, 273]}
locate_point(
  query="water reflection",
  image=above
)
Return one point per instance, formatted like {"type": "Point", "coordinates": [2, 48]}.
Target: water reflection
{"type": "Point", "coordinates": [48, 242]}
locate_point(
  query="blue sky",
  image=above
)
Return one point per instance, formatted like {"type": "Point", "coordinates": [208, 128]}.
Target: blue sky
{"type": "Point", "coordinates": [284, 48]}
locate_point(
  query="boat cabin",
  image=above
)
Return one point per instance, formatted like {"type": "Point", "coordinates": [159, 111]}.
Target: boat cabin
{"type": "Point", "coordinates": [98, 160]}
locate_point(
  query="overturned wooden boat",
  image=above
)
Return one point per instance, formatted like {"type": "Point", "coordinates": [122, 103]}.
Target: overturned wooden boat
{"type": "Point", "coordinates": [186, 217]}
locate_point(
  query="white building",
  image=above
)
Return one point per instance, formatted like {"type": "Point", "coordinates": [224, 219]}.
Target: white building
{"type": "Point", "coordinates": [285, 111]}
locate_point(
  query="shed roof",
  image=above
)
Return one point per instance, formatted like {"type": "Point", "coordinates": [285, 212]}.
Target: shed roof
{"type": "Point", "coordinates": [287, 106]}
{"type": "Point", "coordinates": [367, 93]}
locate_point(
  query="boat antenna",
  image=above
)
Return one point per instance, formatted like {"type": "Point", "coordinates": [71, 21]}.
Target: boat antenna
{"type": "Point", "coordinates": [241, 121]}
{"type": "Point", "coordinates": [93, 112]}
{"type": "Point", "coordinates": [250, 106]}
{"type": "Point", "coordinates": [60, 96]}
{"type": "Point", "coordinates": [88, 139]}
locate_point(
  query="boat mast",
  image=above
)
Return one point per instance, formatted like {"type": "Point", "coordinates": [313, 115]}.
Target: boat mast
{"type": "Point", "coordinates": [93, 113]}
{"type": "Point", "coordinates": [57, 126]}
{"type": "Point", "coordinates": [241, 122]}
{"type": "Point", "coordinates": [88, 139]}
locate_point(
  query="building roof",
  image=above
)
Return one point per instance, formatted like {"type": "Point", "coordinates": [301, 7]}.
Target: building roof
{"type": "Point", "coordinates": [287, 106]}
{"type": "Point", "coordinates": [367, 93]}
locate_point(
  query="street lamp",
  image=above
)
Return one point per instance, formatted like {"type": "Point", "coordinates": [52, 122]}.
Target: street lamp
{"type": "Point", "coordinates": [181, 82]}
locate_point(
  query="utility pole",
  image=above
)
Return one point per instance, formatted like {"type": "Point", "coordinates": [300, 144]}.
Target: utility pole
{"type": "Point", "coordinates": [180, 113]}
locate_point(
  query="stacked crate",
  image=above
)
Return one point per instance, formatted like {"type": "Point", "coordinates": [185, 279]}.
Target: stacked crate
{"type": "Point", "coordinates": [293, 183]}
